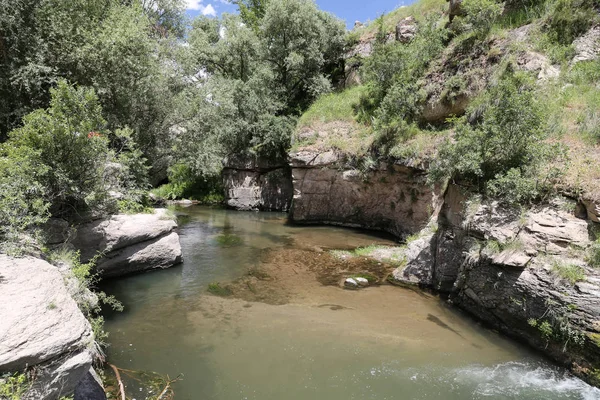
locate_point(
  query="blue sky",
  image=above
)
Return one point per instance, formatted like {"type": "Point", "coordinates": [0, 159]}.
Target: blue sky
{"type": "Point", "coordinates": [348, 10]}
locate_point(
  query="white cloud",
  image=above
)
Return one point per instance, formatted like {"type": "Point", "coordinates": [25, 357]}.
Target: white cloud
{"type": "Point", "coordinates": [193, 4]}
{"type": "Point", "coordinates": [197, 5]}
{"type": "Point", "coordinates": [208, 10]}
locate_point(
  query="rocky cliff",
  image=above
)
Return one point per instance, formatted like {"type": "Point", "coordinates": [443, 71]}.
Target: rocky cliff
{"type": "Point", "coordinates": [390, 197]}
{"type": "Point", "coordinates": [257, 184]}
{"type": "Point", "coordinates": [521, 271]}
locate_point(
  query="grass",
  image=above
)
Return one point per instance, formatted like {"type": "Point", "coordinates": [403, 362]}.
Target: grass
{"type": "Point", "coordinates": [216, 289]}
{"type": "Point", "coordinates": [336, 106]}
{"type": "Point", "coordinates": [330, 124]}
{"type": "Point", "coordinates": [593, 258]}
{"type": "Point", "coordinates": [367, 251]}
{"type": "Point", "coordinates": [569, 272]}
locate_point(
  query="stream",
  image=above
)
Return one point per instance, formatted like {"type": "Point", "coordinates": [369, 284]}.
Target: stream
{"type": "Point", "coordinates": [308, 340]}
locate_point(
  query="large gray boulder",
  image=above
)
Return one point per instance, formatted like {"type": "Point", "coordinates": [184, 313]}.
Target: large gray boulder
{"type": "Point", "coordinates": [130, 243]}
{"type": "Point", "coordinates": [41, 326]}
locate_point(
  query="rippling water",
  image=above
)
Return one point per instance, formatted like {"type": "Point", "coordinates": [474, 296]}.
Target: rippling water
{"type": "Point", "coordinates": [326, 343]}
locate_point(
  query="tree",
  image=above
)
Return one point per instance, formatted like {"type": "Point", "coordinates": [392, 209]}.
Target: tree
{"type": "Point", "coordinates": [304, 47]}
{"type": "Point", "coordinates": [251, 11]}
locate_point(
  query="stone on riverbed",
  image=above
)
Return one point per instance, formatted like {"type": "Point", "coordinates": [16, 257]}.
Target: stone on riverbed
{"type": "Point", "coordinates": [351, 283]}
{"type": "Point", "coordinates": [362, 282]}
{"type": "Point", "coordinates": [42, 328]}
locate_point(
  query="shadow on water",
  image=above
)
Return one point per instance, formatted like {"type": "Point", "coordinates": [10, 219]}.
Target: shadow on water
{"type": "Point", "coordinates": [442, 324]}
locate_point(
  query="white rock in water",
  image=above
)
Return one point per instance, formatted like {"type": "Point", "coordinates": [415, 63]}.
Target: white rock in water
{"type": "Point", "coordinates": [362, 282]}
{"type": "Point", "coordinates": [351, 283]}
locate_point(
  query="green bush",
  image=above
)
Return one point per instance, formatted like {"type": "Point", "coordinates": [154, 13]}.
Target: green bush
{"type": "Point", "coordinates": [594, 254]}
{"type": "Point", "coordinates": [499, 145]}
{"type": "Point", "coordinates": [63, 161]}
{"type": "Point", "coordinates": [70, 143]}
{"type": "Point", "coordinates": [23, 200]}
{"type": "Point", "coordinates": [479, 16]}
{"type": "Point", "coordinates": [569, 272]}
{"type": "Point", "coordinates": [394, 95]}
{"type": "Point", "coordinates": [185, 184]}
{"type": "Point", "coordinates": [569, 19]}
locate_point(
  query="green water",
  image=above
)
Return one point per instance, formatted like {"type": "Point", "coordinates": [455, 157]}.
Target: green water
{"type": "Point", "coordinates": [326, 343]}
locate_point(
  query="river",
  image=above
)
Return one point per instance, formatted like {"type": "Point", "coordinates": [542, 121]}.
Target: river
{"type": "Point", "coordinates": [304, 339]}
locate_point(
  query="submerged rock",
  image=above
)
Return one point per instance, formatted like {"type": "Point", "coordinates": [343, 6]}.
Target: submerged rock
{"type": "Point", "coordinates": [42, 327]}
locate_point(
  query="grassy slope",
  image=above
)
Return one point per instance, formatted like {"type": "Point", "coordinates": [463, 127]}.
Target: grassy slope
{"type": "Point", "coordinates": [573, 102]}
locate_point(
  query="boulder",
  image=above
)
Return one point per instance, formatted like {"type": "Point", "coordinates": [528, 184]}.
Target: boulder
{"type": "Point", "coordinates": [406, 30]}
{"type": "Point", "coordinates": [42, 327]}
{"type": "Point", "coordinates": [587, 47]}
{"type": "Point", "coordinates": [350, 283]}
{"type": "Point", "coordinates": [362, 282]}
{"type": "Point", "coordinates": [130, 243]}
{"type": "Point", "coordinates": [90, 387]}
{"type": "Point", "coordinates": [419, 267]}
{"type": "Point", "coordinates": [531, 61]}
{"type": "Point", "coordinates": [162, 252]}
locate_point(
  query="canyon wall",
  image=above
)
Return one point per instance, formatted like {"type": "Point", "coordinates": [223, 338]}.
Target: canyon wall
{"type": "Point", "coordinates": [502, 265]}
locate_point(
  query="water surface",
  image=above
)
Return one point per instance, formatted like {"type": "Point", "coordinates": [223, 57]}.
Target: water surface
{"type": "Point", "coordinates": [324, 342]}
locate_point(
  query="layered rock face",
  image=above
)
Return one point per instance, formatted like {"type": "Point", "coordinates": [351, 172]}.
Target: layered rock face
{"type": "Point", "coordinates": [504, 267]}
{"type": "Point", "coordinates": [42, 328]}
{"type": "Point", "coordinates": [257, 184]}
{"type": "Point", "coordinates": [130, 243]}
{"type": "Point", "coordinates": [509, 268]}
{"type": "Point", "coordinates": [392, 198]}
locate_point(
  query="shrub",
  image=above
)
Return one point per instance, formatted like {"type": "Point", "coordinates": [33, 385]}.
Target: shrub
{"type": "Point", "coordinates": [69, 143]}
{"type": "Point", "coordinates": [479, 16]}
{"type": "Point", "coordinates": [594, 254]}
{"type": "Point", "coordinates": [569, 19]}
{"type": "Point", "coordinates": [499, 145]}
{"type": "Point", "coordinates": [394, 97]}
{"type": "Point", "coordinates": [23, 204]}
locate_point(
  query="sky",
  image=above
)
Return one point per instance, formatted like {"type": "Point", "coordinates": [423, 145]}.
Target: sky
{"type": "Point", "coordinates": [348, 10]}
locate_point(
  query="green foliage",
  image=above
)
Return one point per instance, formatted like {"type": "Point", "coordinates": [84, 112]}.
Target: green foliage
{"type": "Point", "coordinates": [394, 96]}
{"type": "Point", "coordinates": [13, 386]}
{"type": "Point", "coordinates": [251, 11]}
{"type": "Point", "coordinates": [23, 200]}
{"type": "Point", "coordinates": [337, 106]}
{"type": "Point", "coordinates": [185, 184]}
{"type": "Point", "coordinates": [72, 150]}
{"type": "Point", "coordinates": [593, 258]}
{"type": "Point", "coordinates": [303, 45]}
{"type": "Point", "coordinates": [569, 19]}
{"type": "Point", "coordinates": [500, 146]}
{"type": "Point", "coordinates": [569, 272]}
{"type": "Point", "coordinates": [479, 16]}
{"type": "Point", "coordinates": [557, 324]}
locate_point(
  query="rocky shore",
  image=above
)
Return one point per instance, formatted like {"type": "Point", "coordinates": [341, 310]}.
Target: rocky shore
{"type": "Point", "coordinates": [42, 327]}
